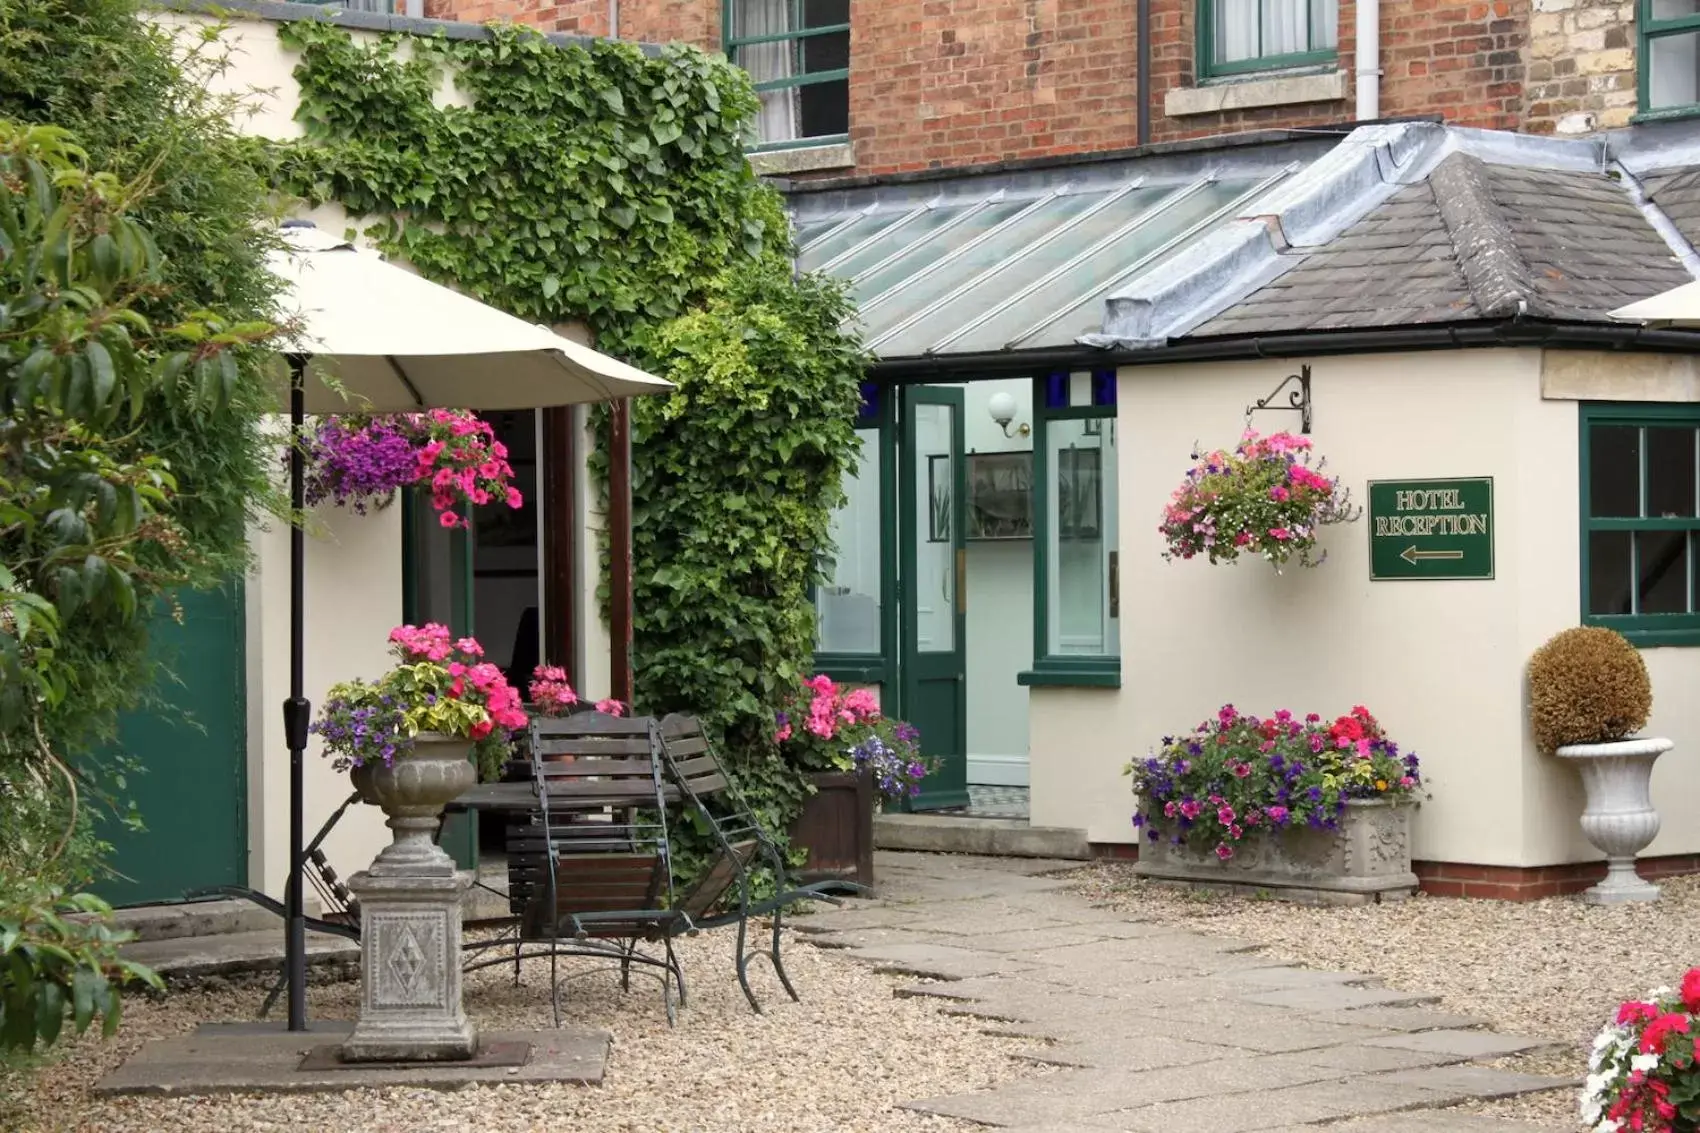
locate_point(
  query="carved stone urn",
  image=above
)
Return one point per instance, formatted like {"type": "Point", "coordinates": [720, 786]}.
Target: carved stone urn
{"type": "Point", "coordinates": [410, 913]}
{"type": "Point", "coordinates": [1619, 818]}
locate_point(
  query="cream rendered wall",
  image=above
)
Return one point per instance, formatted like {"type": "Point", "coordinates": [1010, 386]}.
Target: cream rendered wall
{"type": "Point", "coordinates": [353, 598]}
{"type": "Point", "coordinates": [1441, 663]}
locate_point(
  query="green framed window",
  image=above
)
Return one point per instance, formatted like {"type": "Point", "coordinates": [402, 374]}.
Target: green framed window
{"type": "Point", "coordinates": [1076, 588]}
{"type": "Point", "coordinates": [1237, 37]}
{"type": "Point", "coordinates": [1640, 505]}
{"type": "Point", "coordinates": [856, 600]}
{"type": "Point", "coordinates": [1669, 74]}
{"type": "Point", "coordinates": [797, 53]}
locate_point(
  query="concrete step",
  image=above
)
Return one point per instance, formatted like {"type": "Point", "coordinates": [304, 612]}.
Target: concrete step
{"type": "Point", "coordinates": [194, 918]}
{"type": "Point", "coordinates": [998, 837]}
{"type": "Point", "coordinates": [195, 957]}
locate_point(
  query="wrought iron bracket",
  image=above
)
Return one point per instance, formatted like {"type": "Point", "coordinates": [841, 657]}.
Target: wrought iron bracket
{"type": "Point", "coordinates": [1298, 400]}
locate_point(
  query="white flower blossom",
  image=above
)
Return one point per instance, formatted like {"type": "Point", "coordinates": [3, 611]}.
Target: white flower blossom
{"type": "Point", "coordinates": [1646, 1063]}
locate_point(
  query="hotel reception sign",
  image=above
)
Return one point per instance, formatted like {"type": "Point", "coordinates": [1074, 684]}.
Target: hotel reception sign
{"type": "Point", "coordinates": [1430, 529]}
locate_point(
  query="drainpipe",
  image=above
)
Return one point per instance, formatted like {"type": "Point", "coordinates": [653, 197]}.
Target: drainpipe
{"type": "Point", "coordinates": [1142, 82]}
{"type": "Point", "coordinates": [613, 19]}
{"type": "Point", "coordinates": [1368, 60]}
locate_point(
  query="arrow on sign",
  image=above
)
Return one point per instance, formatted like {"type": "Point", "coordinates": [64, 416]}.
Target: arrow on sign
{"type": "Point", "coordinates": [1413, 556]}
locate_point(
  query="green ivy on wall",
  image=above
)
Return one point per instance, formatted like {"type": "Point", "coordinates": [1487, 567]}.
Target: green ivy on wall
{"type": "Point", "coordinates": [597, 184]}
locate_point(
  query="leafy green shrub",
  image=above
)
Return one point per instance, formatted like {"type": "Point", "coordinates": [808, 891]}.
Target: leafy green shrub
{"type": "Point", "coordinates": [139, 107]}
{"type": "Point", "coordinates": [88, 518]}
{"type": "Point", "coordinates": [58, 958]}
{"type": "Point", "coordinates": [1587, 685]}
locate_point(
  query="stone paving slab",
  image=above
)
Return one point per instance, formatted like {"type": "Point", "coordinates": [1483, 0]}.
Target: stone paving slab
{"type": "Point", "coordinates": [936, 961]}
{"type": "Point", "coordinates": [1126, 1052]}
{"type": "Point", "coordinates": [1469, 1044]}
{"type": "Point", "coordinates": [1402, 1018]}
{"type": "Point", "coordinates": [1283, 976]}
{"type": "Point", "coordinates": [1354, 1059]}
{"type": "Point", "coordinates": [1076, 1095]}
{"type": "Point", "coordinates": [1267, 1109]}
{"type": "Point", "coordinates": [223, 1062]}
{"type": "Point", "coordinates": [1447, 1121]}
{"type": "Point", "coordinates": [1459, 1083]}
{"type": "Point", "coordinates": [1338, 998]}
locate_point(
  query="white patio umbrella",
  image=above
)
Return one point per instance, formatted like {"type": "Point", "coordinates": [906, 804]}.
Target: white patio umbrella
{"type": "Point", "coordinates": [1678, 307]}
{"type": "Point", "coordinates": [390, 341]}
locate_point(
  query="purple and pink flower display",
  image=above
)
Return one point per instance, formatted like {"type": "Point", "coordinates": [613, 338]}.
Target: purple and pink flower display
{"type": "Point", "coordinates": [1238, 775]}
{"type": "Point", "coordinates": [360, 461]}
{"type": "Point", "coordinates": [1264, 498]}
{"type": "Point", "coordinates": [824, 727]}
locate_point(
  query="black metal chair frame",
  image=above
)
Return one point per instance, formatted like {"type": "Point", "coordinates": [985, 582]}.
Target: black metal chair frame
{"type": "Point", "coordinates": [659, 924]}
{"type": "Point", "coordinates": [734, 824]}
{"type": "Point", "coordinates": [342, 907]}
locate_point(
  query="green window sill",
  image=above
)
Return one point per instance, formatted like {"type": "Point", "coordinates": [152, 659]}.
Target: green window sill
{"type": "Point", "coordinates": [1666, 114]}
{"type": "Point", "coordinates": [1649, 637]}
{"type": "Point", "coordinates": [1098, 672]}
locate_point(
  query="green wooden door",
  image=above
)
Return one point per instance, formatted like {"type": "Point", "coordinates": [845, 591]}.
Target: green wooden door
{"type": "Point", "coordinates": [933, 560]}
{"type": "Point", "coordinates": [190, 746]}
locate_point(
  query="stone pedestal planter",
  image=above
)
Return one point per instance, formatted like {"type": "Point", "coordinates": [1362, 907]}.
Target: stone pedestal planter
{"type": "Point", "coordinates": [1619, 820]}
{"type": "Point", "coordinates": [410, 910]}
{"type": "Point", "coordinates": [1368, 859]}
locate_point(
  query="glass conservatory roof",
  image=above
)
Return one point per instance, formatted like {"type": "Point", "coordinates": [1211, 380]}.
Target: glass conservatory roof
{"type": "Point", "coordinates": [1000, 264]}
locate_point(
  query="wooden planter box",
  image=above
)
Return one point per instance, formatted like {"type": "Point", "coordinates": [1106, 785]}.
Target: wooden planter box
{"type": "Point", "coordinates": [837, 828]}
{"type": "Point", "coordinates": [1368, 859]}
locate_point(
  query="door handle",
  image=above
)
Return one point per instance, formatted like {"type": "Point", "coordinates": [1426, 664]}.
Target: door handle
{"type": "Point", "coordinates": [1115, 584]}
{"type": "Point", "coordinates": [962, 580]}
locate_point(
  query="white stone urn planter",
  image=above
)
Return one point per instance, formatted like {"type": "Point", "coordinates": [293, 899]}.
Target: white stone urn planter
{"type": "Point", "coordinates": [1368, 859]}
{"type": "Point", "coordinates": [410, 913]}
{"type": "Point", "coordinates": [1619, 819]}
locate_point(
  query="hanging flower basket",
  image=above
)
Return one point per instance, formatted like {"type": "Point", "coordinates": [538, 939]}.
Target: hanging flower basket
{"type": "Point", "coordinates": [358, 462]}
{"type": "Point", "coordinates": [1263, 499]}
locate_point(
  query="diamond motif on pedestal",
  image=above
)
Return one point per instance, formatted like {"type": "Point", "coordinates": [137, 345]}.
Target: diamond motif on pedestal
{"type": "Point", "coordinates": [408, 960]}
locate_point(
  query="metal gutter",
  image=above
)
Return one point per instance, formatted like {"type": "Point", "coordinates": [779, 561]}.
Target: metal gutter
{"type": "Point", "coordinates": [1512, 332]}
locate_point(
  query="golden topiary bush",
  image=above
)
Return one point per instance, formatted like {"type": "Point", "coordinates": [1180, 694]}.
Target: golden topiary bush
{"type": "Point", "coordinates": [1586, 686]}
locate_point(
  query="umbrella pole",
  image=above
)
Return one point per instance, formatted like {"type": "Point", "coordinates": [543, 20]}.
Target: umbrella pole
{"type": "Point", "coordinates": [296, 710]}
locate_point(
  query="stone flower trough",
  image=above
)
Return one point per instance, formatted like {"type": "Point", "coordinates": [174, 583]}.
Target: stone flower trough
{"type": "Point", "coordinates": [1368, 859]}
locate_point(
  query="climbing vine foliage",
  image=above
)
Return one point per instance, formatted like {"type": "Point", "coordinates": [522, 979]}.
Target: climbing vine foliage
{"type": "Point", "coordinates": [599, 184]}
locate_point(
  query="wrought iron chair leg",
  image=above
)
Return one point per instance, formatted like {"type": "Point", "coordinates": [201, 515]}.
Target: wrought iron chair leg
{"type": "Point", "coordinates": [744, 969]}
{"type": "Point", "coordinates": [554, 982]}
{"type": "Point", "coordinates": [779, 965]}
{"type": "Point", "coordinates": [519, 945]}
{"type": "Point", "coordinates": [668, 973]}
{"type": "Point", "coordinates": [626, 949]}
{"type": "Point", "coordinates": [678, 972]}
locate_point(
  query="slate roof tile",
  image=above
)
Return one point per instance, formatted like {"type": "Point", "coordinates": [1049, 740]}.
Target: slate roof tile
{"type": "Point", "coordinates": [1478, 241]}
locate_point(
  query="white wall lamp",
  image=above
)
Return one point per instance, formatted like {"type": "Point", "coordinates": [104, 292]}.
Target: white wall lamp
{"type": "Point", "coordinates": [1002, 408]}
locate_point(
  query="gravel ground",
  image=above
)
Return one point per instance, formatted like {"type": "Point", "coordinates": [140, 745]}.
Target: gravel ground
{"type": "Point", "coordinates": [1554, 969]}
{"type": "Point", "coordinates": [838, 1060]}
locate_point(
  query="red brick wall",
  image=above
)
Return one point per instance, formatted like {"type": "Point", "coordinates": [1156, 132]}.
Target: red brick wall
{"type": "Point", "coordinates": [947, 83]}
